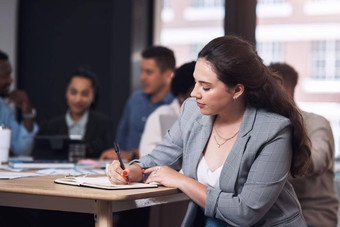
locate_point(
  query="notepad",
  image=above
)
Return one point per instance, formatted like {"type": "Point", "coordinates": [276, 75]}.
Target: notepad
{"type": "Point", "coordinates": [100, 182]}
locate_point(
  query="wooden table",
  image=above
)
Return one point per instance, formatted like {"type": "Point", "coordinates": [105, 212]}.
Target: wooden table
{"type": "Point", "coordinates": [42, 193]}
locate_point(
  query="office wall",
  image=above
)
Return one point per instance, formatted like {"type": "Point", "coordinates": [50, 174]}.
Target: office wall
{"type": "Point", "coordinates": [8, 22]}
{"type": "Point", "coordinates": [54, 37]}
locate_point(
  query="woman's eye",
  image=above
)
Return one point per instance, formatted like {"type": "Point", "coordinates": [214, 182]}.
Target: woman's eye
{"type": "Point", "coordinates": [205, 89]}
{"type": "Point", "coordinates": [85, 93]}
{"type": "Point", "coordinates": [73, 92]}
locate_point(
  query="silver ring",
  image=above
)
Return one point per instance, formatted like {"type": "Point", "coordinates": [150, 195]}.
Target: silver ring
{"type": "Point", "coordinates": [154, 174]}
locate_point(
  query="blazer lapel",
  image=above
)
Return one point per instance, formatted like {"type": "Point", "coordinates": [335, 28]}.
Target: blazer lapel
{"type": "Point", "coordinates": [231, 166]}
{"type": "Point", "coordinates": [203, 132]}
{"type": "Point", "coordinates": [90, 128]}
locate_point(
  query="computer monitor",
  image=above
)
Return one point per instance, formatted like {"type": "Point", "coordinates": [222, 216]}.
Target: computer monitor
{"type": "Point", "coordinates": [51, 147]}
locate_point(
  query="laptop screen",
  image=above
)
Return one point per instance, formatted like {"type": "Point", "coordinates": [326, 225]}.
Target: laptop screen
{"type": "Point", "coordinates": [51, 147]}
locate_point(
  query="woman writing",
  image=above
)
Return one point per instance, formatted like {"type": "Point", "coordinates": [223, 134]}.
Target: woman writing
{"type": "Point", "coordinates": [80, 121]}
{"type": "Point", "coordinates": [237, 140]}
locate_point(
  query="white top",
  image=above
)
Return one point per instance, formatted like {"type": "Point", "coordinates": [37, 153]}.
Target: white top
{"type": "Point", "coordinates": [152, 134]}
{"type": "Point", "coordinates": [206, 176]}
{"type": "Point", "coordinates": [76, 130]}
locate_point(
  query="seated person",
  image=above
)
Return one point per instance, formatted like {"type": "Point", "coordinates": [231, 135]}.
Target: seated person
{"type": "Point", "coordinates": [234, 143]}
{"type": "Point", "coordinates": [22, 134]}
{"type": "Point", "coordinates": [157, 66]}
{"type": "Point", "coordinates": [80, 120]}
{"type": "Point", "coordinates": [316, 191]}
{"type": "Point", "coordinates": [181, 85]}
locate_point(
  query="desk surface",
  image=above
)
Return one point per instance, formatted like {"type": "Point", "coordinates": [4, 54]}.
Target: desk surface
{"type": "Point", "coordinates": [44, 185]}
{"type": "Point", "coordinates": [42, 193]}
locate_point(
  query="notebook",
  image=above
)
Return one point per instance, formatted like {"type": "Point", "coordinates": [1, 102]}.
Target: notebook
{"type": "Point", "coordinates": [100, 182]}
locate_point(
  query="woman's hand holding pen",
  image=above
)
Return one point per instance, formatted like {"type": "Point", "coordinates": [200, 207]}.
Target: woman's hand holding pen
{"type": "Point", "coordinates": [117, 175]}
{"type": "Point", "coordinates": [161, 174]}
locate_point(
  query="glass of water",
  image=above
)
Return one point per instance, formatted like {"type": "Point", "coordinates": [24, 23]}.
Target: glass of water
{"type": "Point", "coordinates": [77, 151]}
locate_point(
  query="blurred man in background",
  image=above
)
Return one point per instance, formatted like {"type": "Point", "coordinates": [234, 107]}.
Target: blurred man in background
{"type": "Point", "coordinates": [182, 84]}
{"type": "Point", "coordinates": [158, 64]}
{"type": "Point", "coordinates": [316, 191]}
{"type": "Point", "coordinates": [22, 133]}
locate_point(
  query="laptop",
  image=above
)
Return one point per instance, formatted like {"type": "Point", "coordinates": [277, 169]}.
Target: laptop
{"type": "Point", "coordinates": [51, 147]}
{"type": "Point", "coordinates": [167, 120]}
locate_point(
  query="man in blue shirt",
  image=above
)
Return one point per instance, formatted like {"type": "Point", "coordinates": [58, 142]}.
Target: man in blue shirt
{"type": "Point", "coordinates": [158, 64]}
{"type": "Point", "coordinates": [22, 134]}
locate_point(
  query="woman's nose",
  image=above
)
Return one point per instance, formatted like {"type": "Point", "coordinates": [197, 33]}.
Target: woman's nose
{"type": "Point", "coordinates": [194, 92]}
{"type": "Point", "coordinates": [142, 76]}
{"type": "Point", "coordinates": [78, 97]}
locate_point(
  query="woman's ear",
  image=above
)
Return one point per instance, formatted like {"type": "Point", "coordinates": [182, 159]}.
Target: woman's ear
{"type": "Point", "coordinates": [238, 91]}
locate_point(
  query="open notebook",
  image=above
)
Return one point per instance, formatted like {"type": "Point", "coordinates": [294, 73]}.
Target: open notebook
{"type": "Point", "coordinates": [100, 182]}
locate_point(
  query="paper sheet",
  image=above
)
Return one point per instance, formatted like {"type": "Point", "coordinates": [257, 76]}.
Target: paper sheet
{"type": "Point", "coordinates": [13, 175]}
{"type": "Point", "coordinates": [73, 172]}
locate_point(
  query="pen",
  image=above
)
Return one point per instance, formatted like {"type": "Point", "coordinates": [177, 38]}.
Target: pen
{"type": "Point", "coordinates": [116, 147]}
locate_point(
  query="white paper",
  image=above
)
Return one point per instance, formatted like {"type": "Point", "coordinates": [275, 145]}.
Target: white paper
{"type": "Point", "coordinates": [13, 175]}
{"type": "Point", "coordinates": [72, 172]}
{"type": "Point", "coordinates": [94, 180]}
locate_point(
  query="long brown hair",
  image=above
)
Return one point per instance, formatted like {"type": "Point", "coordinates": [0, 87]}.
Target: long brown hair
{"type": "Point", "coordinates": [236, 62]}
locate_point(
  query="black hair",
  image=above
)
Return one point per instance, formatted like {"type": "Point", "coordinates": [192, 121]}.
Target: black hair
{"type": "Point", "coordinates": [183, 80]}
{"type": "Point", "coordinates": [164, 57]}
{"type": "Point", "coordinates": [90, 75]}
{"type": "Point", "coordinates": [3, 56]}
{"type": "Point", "coordinates": [235, 61]}
{"type": "Point", "coordinates": [287, 73]}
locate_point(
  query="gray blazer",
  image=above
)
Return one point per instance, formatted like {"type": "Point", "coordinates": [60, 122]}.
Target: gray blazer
{"type": "Point", "coordinates": [254, 190]}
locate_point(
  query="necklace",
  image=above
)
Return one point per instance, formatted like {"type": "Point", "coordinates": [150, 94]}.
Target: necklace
{"type": "Point", "coordinates": [225, 139]}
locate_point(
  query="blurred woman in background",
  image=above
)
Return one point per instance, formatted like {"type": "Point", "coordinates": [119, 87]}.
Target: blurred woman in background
{"type": "Point", "coordinates": [80, 120]}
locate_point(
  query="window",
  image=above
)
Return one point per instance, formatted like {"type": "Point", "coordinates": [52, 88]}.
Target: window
{"type": "Point", "coordinates": [270, 52]}
{"type": "Point", "coordinates": [207, 3]}
{"type": "Point", "coordinates": [325, 0]}
{"type": "Point", "coordinates": [186, 26]}
{"type": "Point", "coordinates": [325, 60]}
{"type": "Point", "coordinates": [306, 35]}
{"type": "Point", "coordinates": [195, 49]}
{"type": "Point", "coordinates": [270, 1]}
{"type": "Point", "coordinates": [166, 4]}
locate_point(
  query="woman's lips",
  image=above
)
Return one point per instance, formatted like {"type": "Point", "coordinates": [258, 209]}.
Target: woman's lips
{"type": "Point", "coordinates": [77, 106]}
{"type": "Point", "coordinates": [200, 105]}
